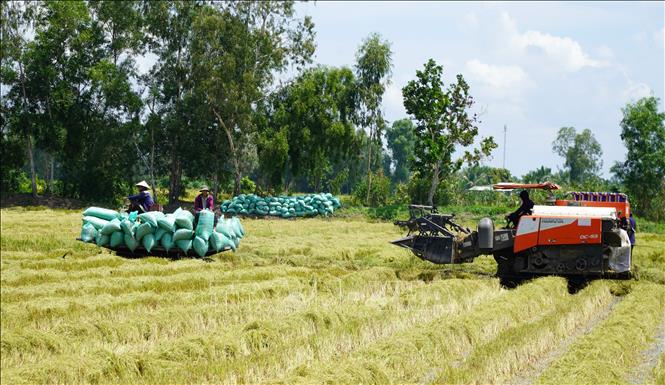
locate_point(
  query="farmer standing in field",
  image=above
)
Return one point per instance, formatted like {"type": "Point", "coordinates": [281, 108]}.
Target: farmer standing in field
{"type": "Point", "coordinates": [143, 200]}
{"type": "Point", "coordinates": [203, 201]}
{"type": "Point", "coordinates": [632, 228]}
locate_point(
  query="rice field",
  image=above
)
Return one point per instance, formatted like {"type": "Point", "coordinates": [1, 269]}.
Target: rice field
{"type": "Point", "coordinates": [311, 301]}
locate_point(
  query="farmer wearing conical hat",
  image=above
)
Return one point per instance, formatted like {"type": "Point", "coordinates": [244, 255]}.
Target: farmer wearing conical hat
{"type": "Point", "coordinates": [142, 201]}
{"type": "Point", "coordinates": [204, 200]}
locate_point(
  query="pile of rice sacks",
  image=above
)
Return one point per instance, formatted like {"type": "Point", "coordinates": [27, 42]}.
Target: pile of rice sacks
{"type": "Point", "coordinates": [282, 206]}
{"type": "Point", "coordinates": [110, 228]}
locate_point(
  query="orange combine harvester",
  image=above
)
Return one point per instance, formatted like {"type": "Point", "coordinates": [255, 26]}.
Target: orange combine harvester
{"type": "Point", "coordinates": [582, 237]}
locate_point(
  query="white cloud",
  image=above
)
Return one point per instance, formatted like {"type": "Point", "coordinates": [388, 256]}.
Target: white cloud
{"type": "Point", "coordinates": [636, 91]}
{"type": "Point", "coordinates": [497, 75]}
{"type": "Point", "coordinates": [564, 51]}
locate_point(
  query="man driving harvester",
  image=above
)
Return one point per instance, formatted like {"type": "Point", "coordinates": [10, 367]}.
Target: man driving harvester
{"type": "Point", "coordinates": [525, 209]}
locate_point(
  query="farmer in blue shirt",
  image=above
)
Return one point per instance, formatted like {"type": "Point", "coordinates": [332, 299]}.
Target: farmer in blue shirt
{"type": "Point", "coordinates": [143, 200]}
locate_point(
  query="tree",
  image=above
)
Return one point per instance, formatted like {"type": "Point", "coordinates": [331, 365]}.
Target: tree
{"type": "Point", "coordinates": [443, 122]}
{"type": "Point", "coordinates": [373, 70]}
{"type": "Point", "coordinates": [400, 138]}
{"type": "Point", "coordinates": [309, 126]}
{"type": "Point", "coordinates": [236, 50]}
{"type": "Point", "coordinates": [643, 171]}
{"type": "Point", "coordinates": [16, 21]}
{"type": "Point", "coordinates": [538, 175]}
{"type": "Point", "coordinates": [582, 154]}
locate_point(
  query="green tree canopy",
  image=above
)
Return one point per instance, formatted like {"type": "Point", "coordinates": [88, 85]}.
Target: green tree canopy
{"type": "Point", "coordinates": [643, 171]}
{"type": "Point", "coordinates": [401, 139]}
{"type": "Point", "coordinates": [443, 122]}
{"type": "Point", "coordinates": [582, 154]}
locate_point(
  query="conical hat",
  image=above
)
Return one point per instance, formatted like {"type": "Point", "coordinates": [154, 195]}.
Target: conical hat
{"type": "Point", "coordinates": [143, 184]}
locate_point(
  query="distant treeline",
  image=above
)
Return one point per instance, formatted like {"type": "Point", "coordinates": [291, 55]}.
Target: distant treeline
{"type": "Point", "coordinates": [216, 106]}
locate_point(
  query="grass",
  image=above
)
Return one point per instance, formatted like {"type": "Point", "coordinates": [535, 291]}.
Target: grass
{"type": "Point", "coordinates": [310, 301]}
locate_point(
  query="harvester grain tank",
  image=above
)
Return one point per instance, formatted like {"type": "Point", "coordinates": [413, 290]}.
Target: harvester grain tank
{"type": "Point", "coordinates": [579, 237]}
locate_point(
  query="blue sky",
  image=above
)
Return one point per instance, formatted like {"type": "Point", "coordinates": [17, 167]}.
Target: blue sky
{"type": "Point", "coordinates": [534, 67]}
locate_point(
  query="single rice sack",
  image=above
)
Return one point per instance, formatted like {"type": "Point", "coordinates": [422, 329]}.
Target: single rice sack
{"type": "Point", "coordinates": [126, 227]}
{"type": "Point", "coordinates": [98, 223]}
{"type": "Point", "coordinates": [228, 242]}
{"type": "Point", "coordinates": [200, 246]}
{"type": "Point", "coordinates": [183, 234]}
{"type": "Point", "coordinates": [240, 231]}
{"type": "Point", "coordinates": [184, 245]}
{"type": "Point", "coordinates": [184, 221]}
{"type": "Point", "coordinates": [143, 230]}
{"type": "Point", "coordinates": [131, 242]}
{"type": "Point", "coordinates": [216, 241]}
{"type": "Point", "coordinates": [102, 240]}
{"type": "Point", "coordinates": [100, 212]}
{"type": "Point", "coordinates": [149, 217]}
{"type": "Point", "coordinates": [205, 225]}
{"type": "Point", "coordinates": [167, 241]}
{"type": "Point", "coordinates": [167, 222]}
{"type": "Point", "coordinates": [88, 232]}
{"type": "Point", "coordinates": [148, 242]}
{"type": "Point", "coordinates": [111, 227]}
{"type": "Point", "coordinates": [116, 238]}
{"type": "Point", "coordinates": [223, 228]}
{"type": "Point", "coordinates": [159, 233]}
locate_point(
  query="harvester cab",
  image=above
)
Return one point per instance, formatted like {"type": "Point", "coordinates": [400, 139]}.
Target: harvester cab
{"type": "Point", "coordinates": [581, 237]}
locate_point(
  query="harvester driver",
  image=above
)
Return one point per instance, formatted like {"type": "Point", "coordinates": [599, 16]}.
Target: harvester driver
{"type": "Point", "coordinates": [142, 201]}
{"type": "Point", "coordinates": [525, 209]}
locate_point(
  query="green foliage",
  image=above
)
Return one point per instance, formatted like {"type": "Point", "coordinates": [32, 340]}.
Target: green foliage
{"type": "Point", "coordinates": [643, 171]}
{"type": "Point", "coordinates": [379, 193]}
{"type": "Point", "coordinates": [401, 139]}
{"type": "Point", "coordinates": [582, 154]}
{"type": "Point", "coordinates": [247, 186]}
{"type": "Point", "coordinates": [538, 175]}
{"type": "Point", "coordinates": [442, 123]}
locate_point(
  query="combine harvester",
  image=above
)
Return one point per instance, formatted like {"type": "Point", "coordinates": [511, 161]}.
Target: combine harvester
{"type": "Point", "coordinates": [580, 238]}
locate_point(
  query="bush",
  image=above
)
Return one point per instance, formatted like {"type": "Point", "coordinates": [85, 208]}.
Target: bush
{"type": "Point", "coordinates": [380, 191]}
{"type": "Point", "coordinates": [247, 186]}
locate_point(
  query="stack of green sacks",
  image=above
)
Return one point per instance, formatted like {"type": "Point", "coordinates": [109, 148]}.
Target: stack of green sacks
{"type": "Point", "coordinates": [110, 228]}
{"type": "Point", "coordinates": [282, 206]}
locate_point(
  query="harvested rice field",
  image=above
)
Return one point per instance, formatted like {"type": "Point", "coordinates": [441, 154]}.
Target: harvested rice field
{"type": "Point", "coordinates": [312, 301]}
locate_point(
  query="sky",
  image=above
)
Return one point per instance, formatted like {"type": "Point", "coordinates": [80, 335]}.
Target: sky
{"type": "Point", "coordinates": [533, 67]}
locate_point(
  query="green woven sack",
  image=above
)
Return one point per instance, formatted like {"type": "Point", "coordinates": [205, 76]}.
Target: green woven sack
{"type": "Point", "coordinates": [183, 234]}
{"type": "Point", "coordinates": [148, 242]}
{"type": "Point", "coordinates": [184, 221]}
{"type": "Point", "coordinates": [116, 238]}
{"type": "Point", "coordinates": [167, 222]}
{"type": "Point", "coordinates": [88, 232]}
{"type": "Point", "coordinates": [100, 212]}
{"type": "Point", "coordinates": [223, 228]}
{"type": "Point", "coordinates": [126, 227]}
{"type": "Point", "coordinates": [98, 223]}
{"type": "Point", "coordinates": [184, 245]}
{"type": "Point", "coordinates": [159, 233]}
{"type": "Point", "coordinates": [167, 241]}
{"type": "Point", "coordinates": [149, 218]}
{"type": "Point", "coordinates": [200, 246]}
{"type": "Point", "coordinates": [143, 230]}
{"type": "Point", "coordinates": [206, 224]}
{"type": "Point", "coordinates": [111, 227]}
{"type": "Point", "coordinates": [102, 240]}
{"type": "Point", "coordinates": [131, 242]}
{"type": "Point", "coordinates": [216, 241]}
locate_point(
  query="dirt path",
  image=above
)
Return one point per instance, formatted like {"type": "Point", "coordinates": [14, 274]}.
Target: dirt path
{"type": "Point", "coordinates": [650, 358]}
{"type": "Point", "coordinates": [530, 376]}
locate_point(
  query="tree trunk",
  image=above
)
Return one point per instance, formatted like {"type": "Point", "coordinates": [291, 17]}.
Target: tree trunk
{"type": "Point", "coordinates": [152, 165]}
{"type": "Point", "coordinates": [369, 169]}
{"type": "Point", "coordinates": [174, 185]}
{"type": "Point", "coordinates": [31, 158]}
{"type": "Point", "coordinates": [434, 185]}
{"type": "Point", "coordinates": [51, 175]}
{"type": "Point", "coordinates": [215, 186]}
{"type": "Point", "coordinates": [234, 153]}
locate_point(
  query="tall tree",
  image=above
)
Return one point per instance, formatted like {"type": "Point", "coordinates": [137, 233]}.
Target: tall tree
{"type": "Point", "coordinates": [16, 20]}
{"type": "Point", "coordinates": [643, 171]}
{"type": "Point", "coordinates": [237, 49]}
{"type": "Point", "coordinates": [310, 125]}
{"type": "Point", "coordinates": [443, 122]}
{"type": "Point", "coordinates": [582, 154]}
{"type": "Point", "coordinates": [538, 175]}
{"type": "Point", "coordinates": [400, 138]}
{"type": "Point", "coordinates": [373, 71]}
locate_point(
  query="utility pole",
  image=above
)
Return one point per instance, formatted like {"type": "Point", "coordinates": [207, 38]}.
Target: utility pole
{"type": "Point", "coordinates": [505, 129]}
